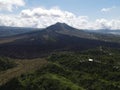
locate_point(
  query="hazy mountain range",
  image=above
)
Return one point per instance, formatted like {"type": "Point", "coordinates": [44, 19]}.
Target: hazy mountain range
{"type": "Point", "coordinates": [105, 31]}
{"type": "Point", "coordinates": [6, 31]}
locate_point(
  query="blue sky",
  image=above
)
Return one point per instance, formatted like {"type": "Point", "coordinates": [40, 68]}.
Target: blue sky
{"type": "Point", "coordinates": [83, 14]}
{"type": "Point", "coordinates": [91, 8]}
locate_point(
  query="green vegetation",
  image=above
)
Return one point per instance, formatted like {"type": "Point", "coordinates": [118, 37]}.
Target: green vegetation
{"type": "Point", "coordinates": [101, 74]}
{"type": "Point", "coordinates": [6, 63]}
{"type": "Point", "coordinates": [46, 81]}
{"type": "Point", "coordinates": [73, 71]}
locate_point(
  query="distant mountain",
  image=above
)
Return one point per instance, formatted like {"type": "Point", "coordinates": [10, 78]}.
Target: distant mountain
{"type": "Point", "coordinates": [10, 31]}
{"type": "Point", "coordinates": [58, 37]}
{"type": "Point", "coordinates": [106, 31]}
{"type": "Point", "coordinates": [103, 35]}
{"type": "Point", "coordinates": [65, 29]}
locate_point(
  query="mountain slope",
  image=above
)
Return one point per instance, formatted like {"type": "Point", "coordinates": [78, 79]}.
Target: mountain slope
{"type": "Point", "coordinates": [65, 29]}
{"type": "Point", "coordinates": [58, 37]}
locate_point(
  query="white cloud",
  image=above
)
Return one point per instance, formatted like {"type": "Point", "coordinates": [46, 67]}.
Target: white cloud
{"type": "Point", "coordinates": [9, 5]}
{"type": "Point", "coordinates": [42, 17]}
{"type": "Point", "coordinates": [107, 9]}
{"type": "Point", "coordinates": [45, 17]}
{"type": "Point", "coordinates": [106, 24]}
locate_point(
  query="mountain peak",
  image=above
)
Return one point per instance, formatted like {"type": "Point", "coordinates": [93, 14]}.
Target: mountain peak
{"type": "Point", "coordinates": [60, 26]}
{"type": "Point", "coordinates": [59, 23]}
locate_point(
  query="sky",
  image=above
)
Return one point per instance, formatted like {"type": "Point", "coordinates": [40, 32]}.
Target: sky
{"type": "Point", "coordinates": [81, 14]}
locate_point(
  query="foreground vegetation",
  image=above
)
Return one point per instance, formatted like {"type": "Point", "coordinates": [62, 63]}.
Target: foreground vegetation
{"type": "Point", "coordinates": [73, 71]}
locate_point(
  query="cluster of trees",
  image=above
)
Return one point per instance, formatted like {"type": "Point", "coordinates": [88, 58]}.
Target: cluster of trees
{"type": "Point", "coordinates": [6, 63]}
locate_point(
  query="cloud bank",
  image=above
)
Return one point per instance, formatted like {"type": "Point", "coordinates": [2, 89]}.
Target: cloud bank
{"type": "Point", "coordinates": [42, 17]}
{"type": "Point", "coordinates": [9, 5]}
